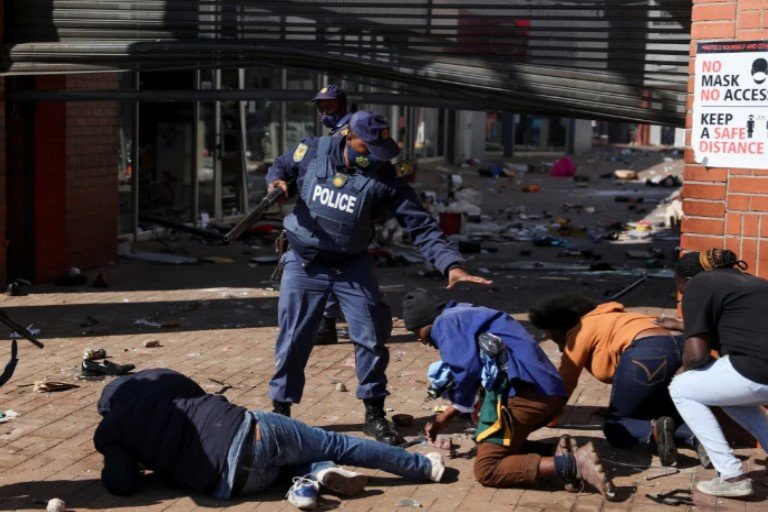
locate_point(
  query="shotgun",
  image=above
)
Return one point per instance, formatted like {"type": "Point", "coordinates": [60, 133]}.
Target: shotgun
{"type": "Point", "coordinates": [252, 217]}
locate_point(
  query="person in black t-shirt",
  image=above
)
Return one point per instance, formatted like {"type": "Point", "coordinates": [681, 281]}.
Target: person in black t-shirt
{"type": "Point", "coordinates": [726, 310]}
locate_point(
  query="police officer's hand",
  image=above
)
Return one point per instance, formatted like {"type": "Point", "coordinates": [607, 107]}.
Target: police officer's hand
{"type": "Point", "coordinates": [458, 275]}
{"type": "Point", "coordinates": [281, 184]}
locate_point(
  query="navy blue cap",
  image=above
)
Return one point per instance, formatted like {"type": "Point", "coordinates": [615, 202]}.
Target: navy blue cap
{"type": "Point", "coordinates": [331, 92]}
{"type": "Point", "coordinates": [373, 129]}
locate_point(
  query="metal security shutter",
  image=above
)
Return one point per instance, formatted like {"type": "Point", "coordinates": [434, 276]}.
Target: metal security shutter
{"type": "Point", "coordinates": [613, 59]}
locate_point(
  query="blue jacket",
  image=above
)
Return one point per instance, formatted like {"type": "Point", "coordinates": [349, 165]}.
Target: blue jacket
{"type": "Point", "coordinates": [455, 333]}
{"type": "Point", "coordinates": [390, 193]}
{"type": "Point", "coordinates": [164, 421]}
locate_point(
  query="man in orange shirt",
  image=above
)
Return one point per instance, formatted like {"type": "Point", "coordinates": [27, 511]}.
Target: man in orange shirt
{"type": "Point", "coordinates": [631, 352]}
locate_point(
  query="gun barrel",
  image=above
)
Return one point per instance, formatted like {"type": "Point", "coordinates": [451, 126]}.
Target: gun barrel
{"type": "Point", "coordinates": [252, 217]}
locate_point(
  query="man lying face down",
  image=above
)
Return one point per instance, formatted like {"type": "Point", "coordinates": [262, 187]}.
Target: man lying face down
{"type": "Point", "coordinates": [163, 421]}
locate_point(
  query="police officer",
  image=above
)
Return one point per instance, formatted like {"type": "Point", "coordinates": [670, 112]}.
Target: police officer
{"type": "Point", "coordinates": [342, 182]}
{"type": "Point", "coordinates": [331, 103]}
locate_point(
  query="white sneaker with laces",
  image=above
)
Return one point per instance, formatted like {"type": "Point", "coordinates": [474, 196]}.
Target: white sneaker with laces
{"type": "Point", "coordinates": [303, 493]}
{"type": "Point", "coordinates": [342, 481]}
{"type": "Point", "coordinates": [721, 487]}
{"type": "Point", "coordinates": [438, 466]}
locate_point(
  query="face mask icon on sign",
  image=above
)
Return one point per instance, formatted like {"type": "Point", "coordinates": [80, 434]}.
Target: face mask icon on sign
{"type": "Point", "coordinates": [759, 70]}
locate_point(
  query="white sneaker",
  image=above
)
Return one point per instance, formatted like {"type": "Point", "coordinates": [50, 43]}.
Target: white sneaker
{"type": "Point", "coordinates": [342, 481]}
{"type": "Point", "coordinates": [722, 487]}
{"type": "Point", "coordinates": [304, 493]}
{"type": "Point", "coordinates": [438, 466]}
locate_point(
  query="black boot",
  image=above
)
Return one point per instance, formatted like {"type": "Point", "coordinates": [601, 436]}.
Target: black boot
{"type": "Point", "coordinates": [376, 424]}
{"type": "Point", "coordinates": [283, 408]}
{"type": "Point", "coordinates": [326, 334]}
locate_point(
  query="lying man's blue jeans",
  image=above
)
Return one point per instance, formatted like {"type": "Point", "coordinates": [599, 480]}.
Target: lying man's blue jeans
{"type": "Point", "coordinates": [639, 393]}
{"type": "Point", "coordinates": [289, 446]}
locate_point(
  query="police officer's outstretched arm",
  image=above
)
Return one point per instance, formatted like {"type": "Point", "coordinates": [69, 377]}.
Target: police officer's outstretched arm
{"type": "Point", "coordinates": [291, 166]}
{"type": "Point", "coordinates": [426, 233]}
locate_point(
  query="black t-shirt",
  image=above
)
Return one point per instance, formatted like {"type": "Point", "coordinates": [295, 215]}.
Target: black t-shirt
{"type": "Point", "coordinates": [732, 308]}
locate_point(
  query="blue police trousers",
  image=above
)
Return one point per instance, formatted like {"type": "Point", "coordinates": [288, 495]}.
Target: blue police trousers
{"type": "Point", "coordinates": [304, 290]}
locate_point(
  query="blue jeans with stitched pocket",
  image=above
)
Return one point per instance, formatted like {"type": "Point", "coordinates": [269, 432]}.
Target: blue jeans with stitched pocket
{"type": "Point", "coordinates": [290, 446]}
{"type": "Point", "coordinates": [640, 393]}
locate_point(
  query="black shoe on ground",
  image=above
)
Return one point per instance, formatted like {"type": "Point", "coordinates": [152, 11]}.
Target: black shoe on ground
{"type": "Point", "coordinates": [106, 367]}
{"type": "Point", "coordinates": [376, 424]}
{"type": "Point", "coordinates": [664, 435]}
{"type": "Point", "coordinates": [282, 408]}
{"type": "Point", "coordinates": [326, 334]}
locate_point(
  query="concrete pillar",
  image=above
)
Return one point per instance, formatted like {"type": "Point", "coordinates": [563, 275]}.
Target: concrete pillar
{"type": "Point", "coordinates": [469, 135]}
{"type": "Point", "coordinates": [654, 138]}
{"type": "Point", "coordinates": [581, 135]}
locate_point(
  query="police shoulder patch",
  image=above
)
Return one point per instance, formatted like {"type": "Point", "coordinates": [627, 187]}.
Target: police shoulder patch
{"type": "Point", "coordinates": [301, 150]}
{"type": "Point", "coordinates": [404, 168]}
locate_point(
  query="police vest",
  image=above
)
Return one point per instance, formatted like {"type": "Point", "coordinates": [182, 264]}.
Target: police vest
{"type": "Point", "coordinates": [334, 211]}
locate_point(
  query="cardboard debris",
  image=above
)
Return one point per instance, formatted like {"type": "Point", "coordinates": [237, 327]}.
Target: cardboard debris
{"type": "Point", "coordinates": [625, 174]}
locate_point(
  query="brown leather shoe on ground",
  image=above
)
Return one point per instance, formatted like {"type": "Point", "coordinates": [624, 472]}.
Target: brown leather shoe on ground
{"type": "Point", "coordinates": [590, 470]}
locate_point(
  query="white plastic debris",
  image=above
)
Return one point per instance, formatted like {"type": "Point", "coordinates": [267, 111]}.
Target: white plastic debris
{"type": "Point", "coordinates": [30, 329]}
{"type": "Point", "coordinates": [146, 323]}
{"type": "Point", "coordinates": [56, 505]}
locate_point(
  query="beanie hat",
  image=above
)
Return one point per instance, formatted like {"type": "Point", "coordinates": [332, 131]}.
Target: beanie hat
{"type": "Point", "coordinates": [420, 308]}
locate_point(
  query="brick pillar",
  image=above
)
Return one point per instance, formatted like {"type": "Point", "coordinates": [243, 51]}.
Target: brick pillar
{"type": "Point", "coordinates": [3, 205]}
{"type": "Point", "coordinates": [91, 170]}
{"type": "Point", "coordinates": [726, 207]}
{"type": "Point", "coordinates": [3, 239]}
{"type": "Point", "coordinates": [72, 156]}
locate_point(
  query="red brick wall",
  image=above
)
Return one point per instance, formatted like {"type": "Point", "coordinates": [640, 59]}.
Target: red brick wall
{"type": "Point", "coordinates": [50, 232]}
{"type": "Point", "coordinates": [726, 207]}
{"type": "Point", "coordinates": [91, 163]}
{"type": "Point", "coordinates": [3, 206]}
{"type": "Point", "coordinates": [3, 239]}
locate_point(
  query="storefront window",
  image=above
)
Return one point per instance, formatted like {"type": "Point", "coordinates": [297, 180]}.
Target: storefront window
{"type": "Point", "coordinates": [125, 168]}
{"type": "Point", "coordinates": [493, 142]}
{"type": "Point", "coordinates": [300, 115]}
{"type": "Point", "coordinates": [425, 144]}
{"type": "Point", "coordinates": [166, 150]}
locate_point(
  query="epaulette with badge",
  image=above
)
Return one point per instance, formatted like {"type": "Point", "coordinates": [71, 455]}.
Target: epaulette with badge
{"type": "Point", "coordinates": [301, 151]}
{"type": "Point", "coordinates": [404, 168]}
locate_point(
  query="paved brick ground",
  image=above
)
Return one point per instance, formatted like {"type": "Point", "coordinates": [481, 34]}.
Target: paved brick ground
{"type": "Point", "coordinates": [48, 452]}
{"type": "Point", "coordinates": [226, 317]}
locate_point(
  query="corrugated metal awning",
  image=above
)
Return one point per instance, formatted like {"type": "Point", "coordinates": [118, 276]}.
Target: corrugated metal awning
{"type": "Point", "coordinates": [611, 59]}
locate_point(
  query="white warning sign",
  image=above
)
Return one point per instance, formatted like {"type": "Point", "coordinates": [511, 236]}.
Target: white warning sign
{"type": "Point", "coordinates": [730, 104]}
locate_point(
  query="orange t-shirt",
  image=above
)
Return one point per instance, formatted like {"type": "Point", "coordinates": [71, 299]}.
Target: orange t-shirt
{"type": "Point", "coordinates": [597, 341]}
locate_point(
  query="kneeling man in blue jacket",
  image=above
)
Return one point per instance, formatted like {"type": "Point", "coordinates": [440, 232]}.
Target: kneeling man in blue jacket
{"type": "Point", "coordinates": [163, 421]}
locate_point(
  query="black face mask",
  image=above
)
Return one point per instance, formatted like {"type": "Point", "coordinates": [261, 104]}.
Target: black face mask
{"type": "Point", "coordinates": [330, 120]}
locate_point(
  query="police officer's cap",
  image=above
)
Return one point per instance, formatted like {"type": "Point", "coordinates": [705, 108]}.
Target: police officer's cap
{"type": "Point", "coordinates": [330, 92]}
{"type": "Point", "coordinates": [373, 129]}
